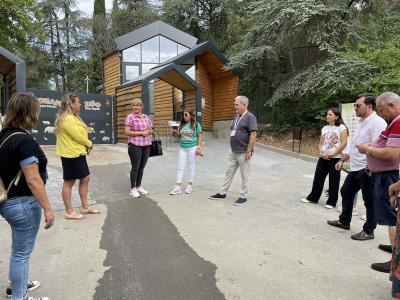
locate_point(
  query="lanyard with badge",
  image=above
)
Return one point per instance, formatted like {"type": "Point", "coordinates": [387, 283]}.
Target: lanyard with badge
{"type": "Point", "coordinates": [233, 132]}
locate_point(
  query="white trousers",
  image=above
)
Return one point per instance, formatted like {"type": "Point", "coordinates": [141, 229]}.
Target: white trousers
{"type": "Point", "coordinates": [186, 155]}
{"type": "Point", "coordinates": [235, 161]}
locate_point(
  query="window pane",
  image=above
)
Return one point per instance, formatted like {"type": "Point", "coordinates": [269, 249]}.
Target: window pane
{"type": "Point", "coordinates": [168, 49]}
{"type": "Point", "coordinates": [146, 67]}
{"type": "Point", "coordinates": [131, 54]}
{"type": "Point", "coordinates": [131, 72]}
{"type": "Point", "coordinates": [150, 51]}
{"type": "Point", "coordinates": [192, 72]}
{"type": "Point", "coordinates": [182, 49]}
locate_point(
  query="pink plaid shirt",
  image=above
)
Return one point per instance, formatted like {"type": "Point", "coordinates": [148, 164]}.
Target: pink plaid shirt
{"type": "Point", "coordinates": [138, 123]}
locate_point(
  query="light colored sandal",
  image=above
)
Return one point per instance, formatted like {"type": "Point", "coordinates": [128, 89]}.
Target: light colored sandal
{"type": "Point", "coordinates": [74, 216]}
{"type": "Point", "coordinates": [89, 210]}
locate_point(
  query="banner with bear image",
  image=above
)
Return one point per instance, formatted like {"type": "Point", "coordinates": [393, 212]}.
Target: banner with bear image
{"type": "Point", "coordinates": [96, 112]}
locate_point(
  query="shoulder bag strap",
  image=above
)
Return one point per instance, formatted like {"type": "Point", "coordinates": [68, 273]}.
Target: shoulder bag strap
{"type": "Point", "coordinates": [15, 133]}
{"type": "Point", "coordinates": [18, 176]}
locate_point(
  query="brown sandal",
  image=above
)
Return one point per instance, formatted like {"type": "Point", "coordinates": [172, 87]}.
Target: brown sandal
{"type": "Point", "coordinates": [74, 216]}
{"type": "Point", "coordinates": [89, 210]}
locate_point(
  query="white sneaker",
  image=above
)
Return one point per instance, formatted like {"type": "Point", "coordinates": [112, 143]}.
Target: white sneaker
{"type": "Point", "coordinates": [327, 206]}
{"type": "Point", "coordinates": [340, 209]}
{"type": "Point", "coordinates": [304, 200]}
{"type": "Point", "coordinates": [142, 191]}
{"type": "Point", "coordinates": [41, 298]}
{"type": "Point", "coordinates": [189, 189]}
{"type": "Point", "coordinates": [177, 190]}
{"type": "Point", "coordinates": [134, 193]}
{"type": "Point", "coordinates": [363, 217]}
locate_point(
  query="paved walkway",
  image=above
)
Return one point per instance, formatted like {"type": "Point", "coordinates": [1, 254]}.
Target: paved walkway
{"type": "Point", "coordinates": [54, 190]}
{"type": "Point", "coordinates": [189, 247]}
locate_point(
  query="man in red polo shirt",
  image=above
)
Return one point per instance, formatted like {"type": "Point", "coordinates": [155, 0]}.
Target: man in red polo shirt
{"type": "Point", "coordinates": [383, 158]}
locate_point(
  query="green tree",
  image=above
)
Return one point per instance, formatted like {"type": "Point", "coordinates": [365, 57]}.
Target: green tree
{"type": "Point", "coordinates": [99, 31]}
{"type": "Point", "coordinates": [17, 19]}
{"type": "Point", "coordinates": [292, 49]}
{"type": "Point", "coordinates": [205, 19]}
{"type": "Point", "coordinates": [128, 15]}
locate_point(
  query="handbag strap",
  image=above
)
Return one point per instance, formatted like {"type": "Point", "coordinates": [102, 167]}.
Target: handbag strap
{"type": "Point", "coordinates": [17, 177]}
{"type": "Point", "coordinates": [5, 140]}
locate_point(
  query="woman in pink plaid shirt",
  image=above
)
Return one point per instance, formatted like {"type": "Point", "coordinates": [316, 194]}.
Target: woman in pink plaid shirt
{"type": "Point", "coordinates": [138, 128]}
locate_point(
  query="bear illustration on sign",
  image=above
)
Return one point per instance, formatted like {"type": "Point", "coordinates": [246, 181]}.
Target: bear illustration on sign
{"type": "Point", "coordinates": [49, 129]}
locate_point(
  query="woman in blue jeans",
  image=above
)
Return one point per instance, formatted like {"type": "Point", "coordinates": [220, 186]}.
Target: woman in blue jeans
{"type": "Point", "coordinates": [23, 172]}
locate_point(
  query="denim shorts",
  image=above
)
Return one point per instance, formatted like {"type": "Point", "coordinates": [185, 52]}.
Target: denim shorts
{"type": "Point", "coordinates": [385, 213]}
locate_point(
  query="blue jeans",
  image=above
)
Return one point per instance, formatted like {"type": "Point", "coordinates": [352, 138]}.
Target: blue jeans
{"type": "Point", "coordinates": [23, 214]}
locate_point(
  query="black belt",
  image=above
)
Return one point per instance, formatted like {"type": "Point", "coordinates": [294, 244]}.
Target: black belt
{"type": "Point", "coordinates": [381, 172]}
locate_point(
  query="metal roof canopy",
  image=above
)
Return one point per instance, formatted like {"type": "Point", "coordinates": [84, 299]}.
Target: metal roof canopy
{"type": "Point", "coordinates": [187, 56]}
{"type": "Point", "coordinates": [157, 28]}
{"type": "Point", "coordinates": [8, 62]}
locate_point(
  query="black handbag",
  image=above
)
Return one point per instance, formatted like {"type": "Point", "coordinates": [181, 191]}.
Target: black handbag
{"type": "Point", "coordinates": [155, 147]}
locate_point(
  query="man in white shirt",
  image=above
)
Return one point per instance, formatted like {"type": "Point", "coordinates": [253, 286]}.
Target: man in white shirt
{"type": "Point", "coordinates": [369, 128]}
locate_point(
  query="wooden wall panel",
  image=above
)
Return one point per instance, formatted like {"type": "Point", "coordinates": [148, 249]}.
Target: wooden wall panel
{"type": "Point", "coordinates": [12, 82]}
{"type": "Point", "coordinates": [163, 105]}
{"type": "Point", "coordinates": [124, 98]}
{"type": "Point", "coordinates": [111, 69]}
{"type": "Point", "coordinates": [224, 92]}
{"type": "Point", "coordinates": [204, 80]}
{"type": "Point", "coordinates": [189, 100]}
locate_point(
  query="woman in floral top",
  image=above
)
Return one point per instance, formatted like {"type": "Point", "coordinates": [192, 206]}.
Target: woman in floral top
{"type": "Point", "coordinates": [332, 142]}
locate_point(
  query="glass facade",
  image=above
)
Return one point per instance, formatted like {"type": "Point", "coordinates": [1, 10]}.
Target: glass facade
{"type": "Point", "coordinates": [131, 72]}
{"type": "Point", "coordinates": [138, 59]}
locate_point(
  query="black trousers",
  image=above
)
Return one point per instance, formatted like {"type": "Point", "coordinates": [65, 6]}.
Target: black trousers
{"type": "Point", "coordinates": [325, 167]}
{"type": "Point", "coordinates": [353, 183]}
{"type": "Point", "coordinates": [139, 156]}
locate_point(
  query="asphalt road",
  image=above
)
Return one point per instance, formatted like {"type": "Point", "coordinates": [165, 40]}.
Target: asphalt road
{"type": "Point", "coordinates": [189, 247]}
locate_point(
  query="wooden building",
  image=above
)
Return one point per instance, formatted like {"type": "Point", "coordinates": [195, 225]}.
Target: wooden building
{"type": "Point", "coordinates": [12, 69]}
{"type": "Point", "coordinates": [168, 70]}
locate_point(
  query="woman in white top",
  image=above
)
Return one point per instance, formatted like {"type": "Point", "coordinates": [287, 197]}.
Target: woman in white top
{"type": "Point", "coordinates": [332, 143]}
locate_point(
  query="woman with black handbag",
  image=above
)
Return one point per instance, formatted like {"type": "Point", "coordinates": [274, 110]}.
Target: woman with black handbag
{"type": "Point", "coordinates": [138, 128]}
{"type": "Point", "coordinates": [26, 195]}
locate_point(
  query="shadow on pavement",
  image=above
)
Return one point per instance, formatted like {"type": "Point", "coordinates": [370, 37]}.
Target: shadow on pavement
{"type": "Point", "coordinates": [148, 259]}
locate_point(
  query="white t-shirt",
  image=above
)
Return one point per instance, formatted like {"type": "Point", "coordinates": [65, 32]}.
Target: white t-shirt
{"type": "Point", "coordinates": [331, 139]}
{"type": "Point", "coordinates": [367, 131]}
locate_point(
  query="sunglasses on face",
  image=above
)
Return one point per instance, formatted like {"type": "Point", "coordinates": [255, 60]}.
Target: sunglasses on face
{"type": "Point", "coordinates": [186, 115]}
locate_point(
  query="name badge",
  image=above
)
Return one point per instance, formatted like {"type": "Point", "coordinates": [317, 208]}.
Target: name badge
{"type": "Point", "coordinates": [233, 132]}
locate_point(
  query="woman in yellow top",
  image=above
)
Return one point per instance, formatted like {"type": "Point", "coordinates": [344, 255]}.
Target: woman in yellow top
{"type": "Point", "coordinates": [73, 145]}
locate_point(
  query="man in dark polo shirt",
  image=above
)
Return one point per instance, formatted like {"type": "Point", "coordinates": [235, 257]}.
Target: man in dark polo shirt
{"type": "Point", "coordinates": [383, 158]}
{"type": "Point", "coordinates": [243, 137]}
